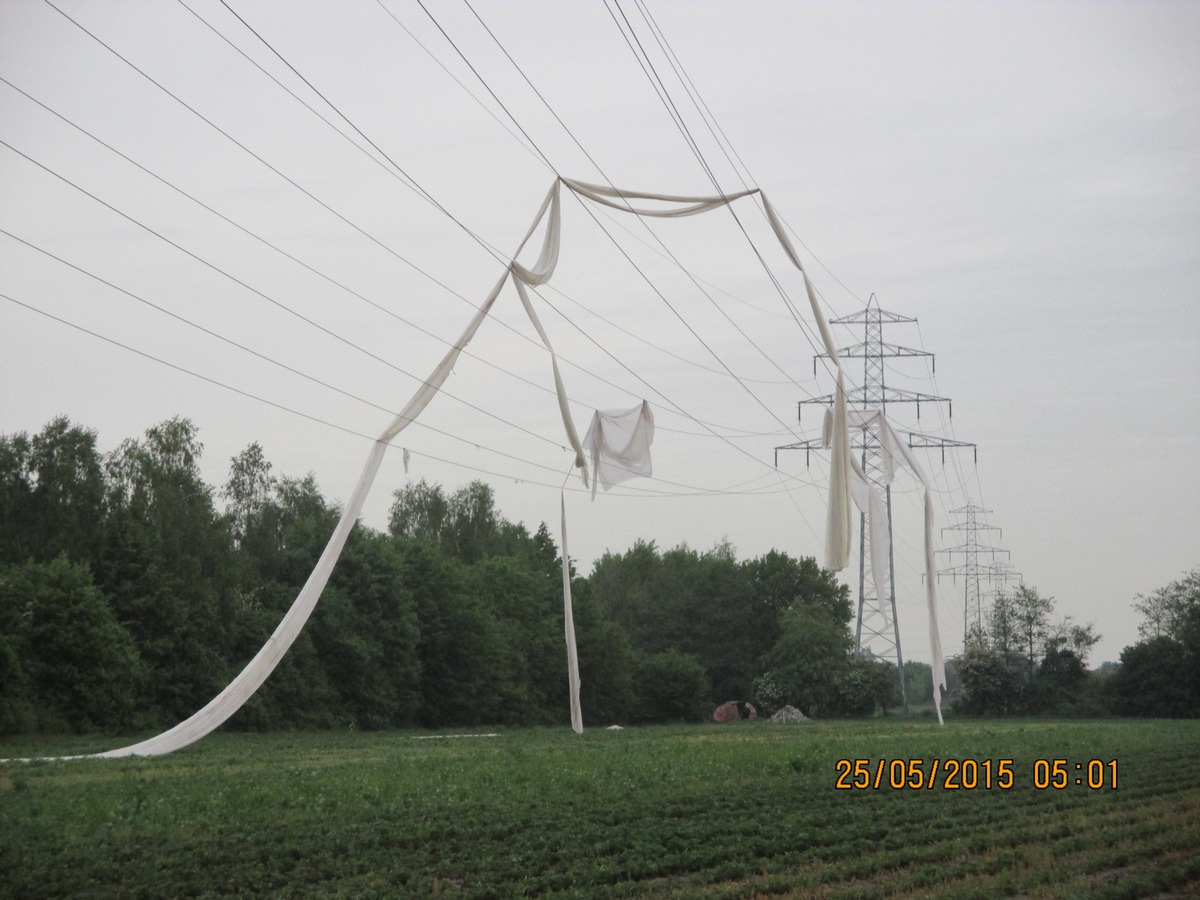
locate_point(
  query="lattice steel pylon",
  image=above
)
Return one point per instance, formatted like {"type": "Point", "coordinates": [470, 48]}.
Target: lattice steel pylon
{"type": "Point", "coordinates": [877, 629]}
{"type": "Point", "coordinates": [971, 524]}
{"type": "Point", "coordinates": [999, 575]}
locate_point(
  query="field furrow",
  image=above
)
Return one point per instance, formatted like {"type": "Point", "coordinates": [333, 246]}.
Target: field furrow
{"type": "Point", "coordinates": [655, 812]}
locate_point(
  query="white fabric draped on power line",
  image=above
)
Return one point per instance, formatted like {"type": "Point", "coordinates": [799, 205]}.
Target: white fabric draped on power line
{"type": "Point", "coordinates": [226, 703]}
{"type": "Point", "coordinates": [868, 498]}
{"type": "Point", "coordinates": [618, 442]}
{"type": "Point", "coordinates": [838, 524]}
{"type": "Point", "coordinates": [569, 626]}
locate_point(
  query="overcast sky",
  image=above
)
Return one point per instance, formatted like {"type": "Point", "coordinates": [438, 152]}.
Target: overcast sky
{"type": "Point", "coordinates": [1021, 178]}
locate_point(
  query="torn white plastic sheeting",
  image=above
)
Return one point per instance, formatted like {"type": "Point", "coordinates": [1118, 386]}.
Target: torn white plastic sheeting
{"type": "Point", "coordinates": [447, 737]}
{"type": "Point", "coordinates": [867, 496]}
{"type": "Point", "coordinates": [620, 449]}
{"type": "Point", "coordinates": [238, 691]}
{"type": "Point", "coordinates": [618, 443]}
{"type": "Point", "coordinates": [569, 627]}
{"type": "Point", "coordinates": [838, 521]}
{"type": "Point", "coordinates": [225, 704]}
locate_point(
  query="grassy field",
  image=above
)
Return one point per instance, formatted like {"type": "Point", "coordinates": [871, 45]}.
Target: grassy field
{"type": "Point", "coordinates": [740, 810]}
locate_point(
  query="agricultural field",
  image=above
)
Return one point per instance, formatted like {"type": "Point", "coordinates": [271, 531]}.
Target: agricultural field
{"type": "Point", "coordinates": [741, 810]}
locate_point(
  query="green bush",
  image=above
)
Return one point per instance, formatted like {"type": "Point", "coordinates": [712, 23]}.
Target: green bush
{"type": "Point", "coordinates": [68, 663]}
{"type": "Point", "coordinates": [671, 687]}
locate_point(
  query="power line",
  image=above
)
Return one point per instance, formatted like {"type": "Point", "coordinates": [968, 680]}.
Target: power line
{"type": "Point", "coordinates": [359, 131]}
{"type": "Point", "coordinates": [276, 303]}
{"type": "Point", "coordinates": [643, 59]}
{"type": "Point", "coordinates": [693, 93]}
{"type": "Point", "coordinates": [705, 116]}
{"type": "Point", "coordinates": [258, 355]}
{"type": "Point", "coordinates": [324, 205]}
{"type": "Point", "coordinates": [426, 195]}
{"type": "Point", "coordinates": [260, 239]}
{"type": "Point", "coordinates": [584, 333]}
{"type": "Point", "coordinates": [243, 347]}
{"type": "Point", "coordinates": [184, 370]}
{"type": "Point", "coordinates": [645, 224]}
{"type": "Point", "coordinates": [620, 249]}
{"type": "Point", "coordinates": [409, 183]}
{"type": "Point", "coordinates": [186, 106]}
{"type": "Point", "coordinates": [710, 120]}
{"type": "Point", "coordinates": [532, 152]}
{"type": "Point", "coordinates": [688, 490]}
{"type": "Point", "coordinates": [293, 258]}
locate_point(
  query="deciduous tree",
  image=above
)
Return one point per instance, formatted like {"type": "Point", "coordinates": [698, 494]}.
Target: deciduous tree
{"type": "Point", "coordinates": [167, 566]}
{"type": "Point", "coordinates": [73, 666]}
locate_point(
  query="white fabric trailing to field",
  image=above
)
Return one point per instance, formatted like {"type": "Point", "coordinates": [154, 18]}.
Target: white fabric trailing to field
{"type": "Point", "coordinates": [838, 530]}
{"type": "Point", "coordinates": [569, 626]}
{"type": "Point", "coordinates": [619, 445]}
{"type": "Point", "coordinates": [892, 452]}
{"type": "Point", "coordinates": [607, 454]}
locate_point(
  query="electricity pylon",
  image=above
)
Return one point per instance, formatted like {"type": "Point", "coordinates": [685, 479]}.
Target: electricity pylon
{"type": "Point", "coordinates": [971, 524]}
{"type": "Point", "coordinates": [877, 632]}
{"type": "Point", "coordinates": [1000, 575]}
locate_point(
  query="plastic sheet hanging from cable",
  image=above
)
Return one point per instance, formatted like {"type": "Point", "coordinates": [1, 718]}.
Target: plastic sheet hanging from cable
{"type": "Point", "coordinates": [569, 626]}
{"type": "Point", "coordinates": [238, 691]}
{"type": "Point", "coordinates": [838, 525]}
{"type": "Point", "coordinates": [229, 700]}
{"type": "Point", "coordinates": [892, 452]}
{"type": "Point", "coordinates": [618, 444]}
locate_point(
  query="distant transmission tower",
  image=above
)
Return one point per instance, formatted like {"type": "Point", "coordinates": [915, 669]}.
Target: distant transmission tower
{"type": "Point", "coordinates": [1000, 575]}
{"type": "Point", "coordinates": [971, 525]}
{"type": "Point", "coordinates": [877, 632]}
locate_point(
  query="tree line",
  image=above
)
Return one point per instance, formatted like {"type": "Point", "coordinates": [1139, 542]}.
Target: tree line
{"type": "Point", "coordinates": [1021, 661]}
{"type": "Point", "coordinates": [131, 592]}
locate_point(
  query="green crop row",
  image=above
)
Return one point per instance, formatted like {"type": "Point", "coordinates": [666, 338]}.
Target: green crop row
{"type": "Point", "coordinates": [728, 811]}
